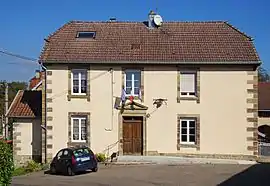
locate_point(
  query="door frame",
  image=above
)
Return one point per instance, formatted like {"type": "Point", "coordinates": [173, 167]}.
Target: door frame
{"type": "Point", "coordinates": [135, 113]}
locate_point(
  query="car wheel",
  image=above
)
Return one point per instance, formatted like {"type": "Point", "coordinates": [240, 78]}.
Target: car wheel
{"type": "Point", "coordinates": [70, 172]}
{"type": "Point", "coordinates": [95, 169]}
{"type": "Point", "coordinates": [52, 169]}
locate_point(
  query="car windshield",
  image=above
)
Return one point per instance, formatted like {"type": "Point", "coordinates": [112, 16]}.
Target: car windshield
{"type": "Point", "coordinates": [81, 152]}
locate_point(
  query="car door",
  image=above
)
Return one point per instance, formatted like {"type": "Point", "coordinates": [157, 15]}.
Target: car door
{"type": "Point", "coordinates": [58, 161]}
{"type": "Point", "coordinates": [64, 160]}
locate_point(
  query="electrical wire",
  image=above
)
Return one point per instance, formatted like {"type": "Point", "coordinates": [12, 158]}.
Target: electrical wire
{"type": "Point", "coordinates": [18, 56]}
{"type": "Point", "coordinates": [36, 61]}
{"type": "Point", "coordinates": [19, 63]}
{"type": "Point", "coordinates": [66, 91]}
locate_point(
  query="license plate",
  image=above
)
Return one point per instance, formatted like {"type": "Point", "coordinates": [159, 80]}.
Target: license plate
{"type": "Point", "coordinates": [85, 159]}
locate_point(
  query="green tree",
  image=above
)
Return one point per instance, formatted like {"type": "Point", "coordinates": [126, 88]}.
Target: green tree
{"type": "Point", "coordinates": [13, 89]}
{"type": "Point", "coordinates": [6, 164]}
{"type": "Point", "coordinates": [263, 75]}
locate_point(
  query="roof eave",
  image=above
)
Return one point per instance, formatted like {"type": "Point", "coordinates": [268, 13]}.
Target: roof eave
{"type": "Point", "coordinates": [25, 117]}
{"type": "Point", "coordinates": [156, 62]}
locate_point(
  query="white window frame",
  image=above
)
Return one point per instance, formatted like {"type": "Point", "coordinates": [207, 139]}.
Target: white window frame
{"type": "Point", "coordinates": [79, 71]}
{"type": "Point", "coordinates": [80, 126]}
{"type": "Point", "coordinates": [132, 83]}
{"type": "Point", "coordinates": [189, 94]}
{"type": "Point", "coordinates": [180, 133]}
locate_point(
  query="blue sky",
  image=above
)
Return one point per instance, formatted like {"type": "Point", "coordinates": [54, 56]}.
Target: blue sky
{"type": "Point", "coordinates": [24, 24]}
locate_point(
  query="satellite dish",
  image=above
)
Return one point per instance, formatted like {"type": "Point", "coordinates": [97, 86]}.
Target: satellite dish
{"type": "Point", "coordinates": [158, 20]}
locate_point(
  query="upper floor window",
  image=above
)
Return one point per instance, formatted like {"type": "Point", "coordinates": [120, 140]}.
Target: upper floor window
{"type": "Point", "coordinates": [188, 131]}
{"type": "Point", "coordinates": [188, 83]}
{"type": "Point", "coordinates": [79, 131]}
{"type": "Point", "coordinates": [132, 82]}
{"type": "Point", "coordinates": [79, 81]}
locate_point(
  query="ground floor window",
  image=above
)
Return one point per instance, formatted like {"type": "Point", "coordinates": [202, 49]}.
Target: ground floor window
{"type": "Point", "coordinates": [79, 131]}
{"type": "Point", "coordinates": [188, 131]}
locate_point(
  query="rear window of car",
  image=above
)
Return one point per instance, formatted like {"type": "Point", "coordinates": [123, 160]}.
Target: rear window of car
{"type": "Point", "coordinates": [81, 152]}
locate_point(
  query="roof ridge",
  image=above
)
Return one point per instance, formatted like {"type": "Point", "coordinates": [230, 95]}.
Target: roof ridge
{"type": "Point", "coordinates": [119, 21]}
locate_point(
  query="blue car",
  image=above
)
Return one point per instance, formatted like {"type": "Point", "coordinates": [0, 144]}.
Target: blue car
{"type": "Point", "coordinates": [72, 160]}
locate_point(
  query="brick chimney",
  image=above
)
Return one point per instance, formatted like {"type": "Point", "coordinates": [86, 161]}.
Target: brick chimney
{"type": "Point", "coordinates": [151, 16]}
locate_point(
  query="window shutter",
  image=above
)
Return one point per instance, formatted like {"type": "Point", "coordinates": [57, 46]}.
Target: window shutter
{"type": "Point", "coordinates": [187, 83]}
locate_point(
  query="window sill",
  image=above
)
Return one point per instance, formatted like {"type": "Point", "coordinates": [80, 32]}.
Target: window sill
{"type": "Point", "coordinates": [188, 98]}
{"type": "Point", "coordinates": [78, 96]}
{"type": "Point", "coordinates": [72, 144]}
{"type": "Point", "coordinates": [78, 141]}
{"type": "Point", "coordinates": [186, 145]}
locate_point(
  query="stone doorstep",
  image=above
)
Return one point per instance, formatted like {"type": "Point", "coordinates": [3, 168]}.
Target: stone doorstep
{"type": "Point", "coordinates": [182, 163]}
{"type": "Point", "coordinates": [133, 163]}
{"type": "Point", "coordinates": [263, 159]}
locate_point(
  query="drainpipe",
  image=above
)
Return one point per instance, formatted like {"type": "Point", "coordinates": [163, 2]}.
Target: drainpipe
{"type": "Point", "coordinates": [45, 119]}
{"type": "Point", "coordinates": [112, 104]}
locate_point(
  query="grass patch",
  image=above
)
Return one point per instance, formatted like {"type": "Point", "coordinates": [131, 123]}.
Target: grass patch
{"type": "Point", "coordinates": [19, 171]}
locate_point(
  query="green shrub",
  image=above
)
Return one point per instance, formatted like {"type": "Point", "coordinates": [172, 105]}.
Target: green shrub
{"type": "Point", "coordinates": [6, 164]}
{"type": "Point", "coordinates": [19, 171]}
{"type": "Point", "coordinates": [101, 157]}
{"type": "Point", "coordinates": [32, 166]}
{"type": "Point", "coordinates": [45, 166]}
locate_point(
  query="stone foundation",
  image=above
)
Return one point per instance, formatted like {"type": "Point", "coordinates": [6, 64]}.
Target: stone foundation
{"type": "Point", "coordinates": [215, 156]}
{"type": "Point", "coordinates": [20, 160]}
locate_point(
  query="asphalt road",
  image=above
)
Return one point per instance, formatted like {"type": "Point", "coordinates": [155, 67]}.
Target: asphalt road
{"type": "Point", "coordinates": [157, 175]}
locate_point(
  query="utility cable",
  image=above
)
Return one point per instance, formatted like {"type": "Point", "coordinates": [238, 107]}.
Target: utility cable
{"type": "Point", "coordinates": [66, 91]}
{"type": "Point", "coordinates": [18, 56]}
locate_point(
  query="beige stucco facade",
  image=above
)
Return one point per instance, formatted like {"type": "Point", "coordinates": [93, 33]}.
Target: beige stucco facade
{"type": "Point", "coordinates": [227, 110]}
{"type": "Point", "coordinates": [27, 140]}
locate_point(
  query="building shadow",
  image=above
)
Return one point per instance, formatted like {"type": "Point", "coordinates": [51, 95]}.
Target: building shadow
{"type": "Point", "coordinates": [62, 174]}
{"type": "Point", "coordinates": [258, 174]}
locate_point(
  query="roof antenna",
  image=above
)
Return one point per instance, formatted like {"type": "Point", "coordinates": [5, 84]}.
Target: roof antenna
{"type": "Point", "coordinates": [157, 6]}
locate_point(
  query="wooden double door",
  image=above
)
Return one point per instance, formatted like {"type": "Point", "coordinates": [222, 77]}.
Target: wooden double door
{"type": "Point", "coordinates": [132, 135]}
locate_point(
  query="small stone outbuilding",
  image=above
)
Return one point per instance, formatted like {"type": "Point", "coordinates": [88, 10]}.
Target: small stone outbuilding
{"type": "Point", "coordinates": [25, 111]}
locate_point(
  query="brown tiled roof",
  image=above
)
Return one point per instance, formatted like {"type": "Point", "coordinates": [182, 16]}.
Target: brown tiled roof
{"type": "Point", "coordinates": [173, 42]}
{"type": "Point", "coordinates": [26, 104]}
{"type": "Point", "coordinates": [34, 81]}
{"type": "Point", "coordinates": [264, 95]}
